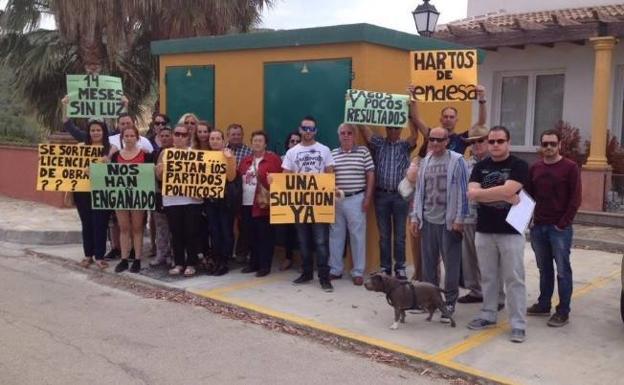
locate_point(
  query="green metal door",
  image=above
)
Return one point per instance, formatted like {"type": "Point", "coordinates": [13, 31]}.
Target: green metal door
{"type": "Point", "coordinates": [190, 89]}
{"type": "Point", "coordinates": [295, 89]}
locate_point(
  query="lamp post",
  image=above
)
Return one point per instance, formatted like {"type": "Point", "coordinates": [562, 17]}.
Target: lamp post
{"type": "Point", "coordinates": [425, 17]}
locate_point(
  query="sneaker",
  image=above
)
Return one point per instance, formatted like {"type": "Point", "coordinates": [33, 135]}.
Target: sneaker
{"type": "Point", "coordinates": [445, 319]}
{"type": "Point", "coordinates": [469, 298]}
{"type": "Point", "coordinates": [558, 320]}
{"type": "Point", "coordinates": [480, 324]}
{"type": "Point", "coordinates": [302, 279]}
{"type": "Point", "coordinates": [326, 286]}
{"type": "Point", "coordinates": [136, 266]}
{"type": "Point", "coordinates": [113, 254]}
{"type": "Point", "coordinates": [517, 335]}
{"type": "Point", "coordinates": [537, 310]}
{"type": "Point", "coordinates": [400, 274]}
{"type": "Point", "coordinates": [121, 266]}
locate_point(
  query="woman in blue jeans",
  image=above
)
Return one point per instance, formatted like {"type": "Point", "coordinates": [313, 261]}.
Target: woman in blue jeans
{"type": "Point", "coordinates": [94, 222]}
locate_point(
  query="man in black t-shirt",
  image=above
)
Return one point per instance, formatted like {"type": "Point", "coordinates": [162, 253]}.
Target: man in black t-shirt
{"type": "Point", "coordinates": [495, 183]}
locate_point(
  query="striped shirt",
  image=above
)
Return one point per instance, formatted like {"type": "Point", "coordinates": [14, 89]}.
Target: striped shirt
{"type": "Point", "coordinates": [240, 152]}
{"type": "Point", "coordinates": [391, 161]}
{"type": "Point", "coordinates": [351, 167]}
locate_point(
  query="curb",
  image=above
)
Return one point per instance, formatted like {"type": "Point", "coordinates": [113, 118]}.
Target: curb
{"type": "Point", "coordinates": [44, 238]}
{"type": "Point", "coordinates": [593, 244]}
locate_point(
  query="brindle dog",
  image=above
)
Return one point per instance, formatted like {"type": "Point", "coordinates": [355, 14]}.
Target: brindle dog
{"type": "Point", "coordinates": [404, 295]}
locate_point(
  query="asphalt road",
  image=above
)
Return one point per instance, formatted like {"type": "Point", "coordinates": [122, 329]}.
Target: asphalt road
{"type": "Point", "coordinates": [57, 326]}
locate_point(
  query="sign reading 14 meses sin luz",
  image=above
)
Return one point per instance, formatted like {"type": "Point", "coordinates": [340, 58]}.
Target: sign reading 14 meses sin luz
{"type": "Point", "coordinates": [63, 167]}
{"type": "Point", "coordinates": [376, 108]}
{"type": "Point", "coordinates": [302, 198]}
{"type": "Point", "coordinates": [194, 173]}
{"type": "Point", "coordinates": [123, 186]}
{"type": "Point", "coordinates": [444, 76]}
{"type": "Point", "coordinates": [94, 96]}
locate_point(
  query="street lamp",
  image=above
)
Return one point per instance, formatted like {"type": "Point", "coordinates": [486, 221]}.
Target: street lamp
{"type": "Point", "coordinates": [426, 18]}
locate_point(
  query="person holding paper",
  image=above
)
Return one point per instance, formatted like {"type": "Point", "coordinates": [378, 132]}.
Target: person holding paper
{"type": "Point", "coordinates": [311, 157]}
{"type": "Point", "coordinates": [495, 183]}
{"type": "Point", "coordinates": [448, 120]}
{"type": "Point", "coordinates": [440, 206]}
{"type": "Point", "coordinates": [555, 184]}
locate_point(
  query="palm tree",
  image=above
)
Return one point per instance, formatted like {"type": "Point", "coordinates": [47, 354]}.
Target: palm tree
{"type": "Point", "coordinates": [111, 35]}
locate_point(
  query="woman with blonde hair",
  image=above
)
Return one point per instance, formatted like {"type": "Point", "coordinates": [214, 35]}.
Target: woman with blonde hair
{"type": "Point", "coordinates": [189, 120]}
{"type": "Point", "coordinates": [200, 140]}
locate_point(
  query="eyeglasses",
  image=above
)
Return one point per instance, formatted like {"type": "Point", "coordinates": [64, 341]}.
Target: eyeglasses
{"type": "Point", "coordinates": [497, 141]}
{"type": "Point", "coordinates": [180, 134]}
{"type": "Point", "coordinates": [478, 141]}
{"type": "Point", "coordinates": [192, 123]}
{"type": "Point", "coordinates": [159, 123]}
{"type": "Point", "coordinates": [307, 128]}
{"type": "Point", "coordinates": [438, 140]}
{"type": "Point", "coordinates": [294, 141]}
{"type": "Point", "coordinates": [550, 144]}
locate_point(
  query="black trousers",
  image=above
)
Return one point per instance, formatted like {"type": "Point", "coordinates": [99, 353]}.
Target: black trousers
{"type": "Point", "coordinates": [261, 237]}
{"type": "Point", "coordinates": [184, 224]}
{"type": "Point", "coordinates": [94, 226]}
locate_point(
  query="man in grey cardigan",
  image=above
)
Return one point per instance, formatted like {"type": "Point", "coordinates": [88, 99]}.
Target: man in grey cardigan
{"type": "Point", "coordinates": [440, 206]}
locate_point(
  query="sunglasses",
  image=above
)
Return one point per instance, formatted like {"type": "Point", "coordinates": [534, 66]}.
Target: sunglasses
{"type": "Point", "coordinates": [307, 129]}
{"type": "Point", "coordinates": [497, 141]}
{"type": "Point", "coordinates": [550, 144]}
{"type": "Point", "coordinates": [192, 123]}
{"type": "Point", "coordinates": [438, 140]}
{"type": "Point", "coordinates": [180, 134]}
{"type": "Point", "coordinates": [159, 123]}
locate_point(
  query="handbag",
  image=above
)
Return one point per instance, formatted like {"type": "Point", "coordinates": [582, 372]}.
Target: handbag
{"type": "Point", "coordinates": [262, 194]}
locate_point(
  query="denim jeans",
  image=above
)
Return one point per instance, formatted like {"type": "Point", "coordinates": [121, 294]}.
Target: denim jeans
{"type": "Point", "coordinates": [349, 219]}
{"type": "Point", "coordinates": [553, 245]}
{"type": "Point", "coordinates": [317, 234]}
{"type": "Point", "coordinates": [391, 210]}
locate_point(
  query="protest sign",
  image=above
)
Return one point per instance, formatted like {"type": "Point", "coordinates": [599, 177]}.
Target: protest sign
{"type": "Point", "coordinates": [63, 167]}
{"type": "Point", "coordinates": [123, 186]}
{"type": "Point", "coordinates": [94, 96]}
{"type": "Point", "coordinates": [302, 198]}
{"type": "Point", "coordinates": [376, 108]}
{"type": "Point", "coordinates": [444, 76]}
{"type": "Point", "coordinates": [193, 173]}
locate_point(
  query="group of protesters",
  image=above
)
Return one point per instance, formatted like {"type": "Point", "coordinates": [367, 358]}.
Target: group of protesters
{"type": "Point", "coordinates": [455, 206]}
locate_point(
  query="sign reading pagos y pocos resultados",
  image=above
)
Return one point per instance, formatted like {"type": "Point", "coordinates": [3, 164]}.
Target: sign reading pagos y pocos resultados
{"type": "Point", "coordinates": [94, 96]}
{"type": "Point", "coordinates": [376, 108]}
{"type": "Point", "coordinates": [63, 167]}
{"type": "Point", "coordinates": [444, 76]}
{"type": "Point", "coordinates": [123, 186]}
{"type": "Point", "coordinates": [194, 173]}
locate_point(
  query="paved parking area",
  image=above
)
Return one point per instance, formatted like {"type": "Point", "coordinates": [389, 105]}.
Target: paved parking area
{"type": "Point", "coordinates": [586, 351]}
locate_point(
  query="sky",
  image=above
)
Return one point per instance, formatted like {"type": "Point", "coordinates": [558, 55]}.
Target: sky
{"type": "Point", "coordinates": [394, 14]}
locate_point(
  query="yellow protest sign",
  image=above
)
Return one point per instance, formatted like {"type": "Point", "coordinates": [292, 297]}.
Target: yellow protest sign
{"type": "Point", "coordinates": [64, 167]}
{"type": "Point", "coordinates": [302, 198]}
{"type": "Point", "coordinates": [193, 173]}
{"type": "Point", "coordinates": [444, 76]}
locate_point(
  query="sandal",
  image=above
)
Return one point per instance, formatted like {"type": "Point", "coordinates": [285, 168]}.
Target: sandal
{"type": "Point", "coordinates": [176, 270]}
{"type": "Point", "coordinates": [102, 265]}
{"type": "Point", "coordinates": [189, 272]}
{"type": "Point", "coordinates": [86, 262]}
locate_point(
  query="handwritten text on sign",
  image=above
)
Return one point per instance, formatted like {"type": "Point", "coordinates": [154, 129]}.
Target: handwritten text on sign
{"type": "Point", "coordinates": [444, 76]}
{"type": "Point", "coordinates": [376, 108]}
{"type": "Point", "coordinates": [193, 173]}
{"type": "Point", "coordinates": [302, 198]}
{"type": "Point", "coordinates": [63, 167]}
{"type": "Point", "coordinates": [96, 96]}
{"type": "Point", "coordinates": [122, 186]}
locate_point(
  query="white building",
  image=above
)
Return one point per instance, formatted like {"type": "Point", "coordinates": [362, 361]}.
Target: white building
{"type": "Point", "coordinates": [548, 61]}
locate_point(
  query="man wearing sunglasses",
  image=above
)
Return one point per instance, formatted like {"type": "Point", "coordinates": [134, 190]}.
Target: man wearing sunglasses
{"type": "Point", "coordinates": [392, 159]}
{"type": "Point", "coordinates": [495, 183]}
{"type": "Point", "coordinates": [440, 206]}
{"type": "Point", "coordinates": [311, 157]}
{"type": "Point", "coordinates": [554, 183]}
{"type": "Point", "coordinates": [448, 120]}
{"type": "Point", "coordinates": [477, 138]}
